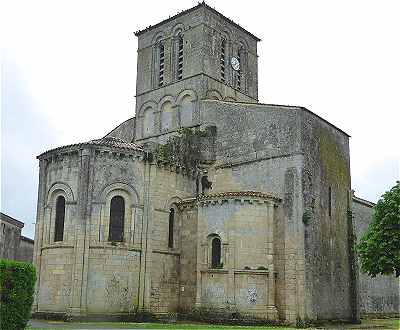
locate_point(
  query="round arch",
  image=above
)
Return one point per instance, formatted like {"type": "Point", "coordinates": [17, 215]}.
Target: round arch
{"type": "Point", "coordinates": [166, 98]}
{"type": "Point", "coordinates": [119, 186]}
{"type": "Point", "coordinates": [214, 95]}
{"type": "Point", "coordinates": [145, 105]}
{"type": "Point", "coordinates": [171, 201]}
{"type": "Point", "coordinates": [159, 35]}
{"type": "Point", "coordinates": [186, 92]}
{"type": "Point", "coordinates": [178, 29]}
{"type": "Point", "coordinates": [58, 187]}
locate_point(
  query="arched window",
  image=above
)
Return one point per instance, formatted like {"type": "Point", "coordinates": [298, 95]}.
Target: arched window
{"type": "Point", "coordinates": [216, 252]}
{"type": "Point", "coordinates": [117, 217]}
{"type": "Point", "coordinates": [167, 118]}
{"type": "Point", "coordinates": [239, 72]}
{"type": "Point", "coordinates": [161, 57]}
{"type": "Point", "coordinates": [60, 217]}
{"type": "Point", "coordinates": [148, 121]}
{"type": "Point", "coordinates": [222, 60]}
{"type": "Point", "coordinates": [179, 72]}
{"type": "Point", "coordinates": [187, 110]}
{"type": "Point", "coordinates": [171, 228]}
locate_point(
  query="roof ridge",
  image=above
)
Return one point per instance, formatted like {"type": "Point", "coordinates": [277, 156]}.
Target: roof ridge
{"type": "Point", "coordinates": [183, 12]}
{"type": "Point", "coordinates": [104, 141]}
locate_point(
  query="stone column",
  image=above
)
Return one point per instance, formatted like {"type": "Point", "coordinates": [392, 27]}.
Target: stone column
{"type": "Point", "coordinates": [230, 259]}
{"type": "Point", "coordinates": [89, 177]}
{"type": "Point", "coordinates": [199, 261]}
{"type": "Point", "coordinates": [131, 229]}
{"type": "Point", "coordinates": [39, 227]}
{"type": "Point", "coordinates": [145, 257]}
{"type": "Point", "coordinates": [230, 265]}
{"type": "Point", "coordinates": [272, 312]}
{"type": "Point", "coordinates": [76, 307]}
{"type": "Point", "coordinates": [353, 262]}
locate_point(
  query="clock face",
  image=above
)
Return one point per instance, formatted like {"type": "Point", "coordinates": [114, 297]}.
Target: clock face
{"type": "Point", "coordinates": [235, 64]}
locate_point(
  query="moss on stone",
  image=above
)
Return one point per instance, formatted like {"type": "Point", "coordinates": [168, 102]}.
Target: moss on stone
{"type": "Point", "coordinates": [333, 162]}
{"type": "Point", "coordinates": [183, 149]}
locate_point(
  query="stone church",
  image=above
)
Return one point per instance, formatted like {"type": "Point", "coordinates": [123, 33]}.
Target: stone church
{"type": "Point", "coordinates": [253, 217]}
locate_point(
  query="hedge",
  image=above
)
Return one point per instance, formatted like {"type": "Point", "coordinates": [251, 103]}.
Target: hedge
{"type": "Point", "coordinates": [17, 282]}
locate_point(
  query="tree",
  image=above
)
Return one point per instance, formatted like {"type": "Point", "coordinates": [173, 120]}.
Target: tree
{"type": "Point", "coordinates": [379, 248]}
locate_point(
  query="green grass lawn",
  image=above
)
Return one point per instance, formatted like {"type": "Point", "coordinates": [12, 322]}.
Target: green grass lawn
{"type": "Point", "coordinates": [393, 324]}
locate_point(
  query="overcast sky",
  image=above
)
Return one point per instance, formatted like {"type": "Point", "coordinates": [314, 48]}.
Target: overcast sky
{"type": "Point", "coordinates": [68, 75]}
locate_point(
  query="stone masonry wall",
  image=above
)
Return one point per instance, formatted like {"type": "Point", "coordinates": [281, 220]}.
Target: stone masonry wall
{"type": "Point", "coordinates": [113, 268]}
{"type": "Point", "coordinates": [202, 30]}
{"type": "Point", "coordinates": [330, 278]}
{"type": "Point", "coordinates": [25, 250]}
{"type": "Point", "coordinates": [245, 281]}
{"type": "Point", "coordinates": [258, 148]}
{"type": "Point", "coordinates": [9, 240]}
{"type": "Point", "coordinates": [166, 189]}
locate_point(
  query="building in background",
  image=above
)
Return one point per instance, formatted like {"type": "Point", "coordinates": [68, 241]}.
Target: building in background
{"type": "Point", "coordinates": [13, 245]}
{"type": "Point", "coordinates": [378, 295]}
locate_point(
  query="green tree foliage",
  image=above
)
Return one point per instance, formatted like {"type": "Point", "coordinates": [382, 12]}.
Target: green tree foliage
{"type": "Point", "coordinates": [379, 248]}
{"type": "Point", "coordinates": [17, 282]}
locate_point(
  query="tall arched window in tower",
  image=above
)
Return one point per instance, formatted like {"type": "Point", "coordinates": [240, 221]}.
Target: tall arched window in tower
{"type": "Point", "coordinates": [222, 60]}
{"type": "Point", "coordinates": [117, 217]}
{"type": "Point", "coordinates": [216, 252]}
{"type": "Point", "coordinates": [179, 72]}
{"type": "Point", "coordinates": [59, 221]}
{"type": "Point", "coordinates": [161, 57]}
{"type": "Point", "coordinates": [171, 228]}
{"type": "Point", "coordinates": [239, 72]}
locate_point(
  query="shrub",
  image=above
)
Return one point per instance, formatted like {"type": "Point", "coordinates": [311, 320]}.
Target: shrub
{"type": "Point", "coordinates": [17, 282]}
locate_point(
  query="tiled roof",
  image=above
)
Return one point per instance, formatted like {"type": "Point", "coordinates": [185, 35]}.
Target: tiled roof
{"type": "Point", "coordinates": [200, 4]}
{"type": "Point", "coordinates": [11, 220]}
{"type": "Point", "coordinates": [111, 142]}
{"type": "Point", "coordinates": [230, 194]}
{"type": "Point", "coordinates": [363, 201]}
{"type": "Point", "coordinates": [256, 194]}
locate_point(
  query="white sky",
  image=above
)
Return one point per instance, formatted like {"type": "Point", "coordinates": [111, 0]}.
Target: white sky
{"type": "Point", "coordinates": [69, 74]}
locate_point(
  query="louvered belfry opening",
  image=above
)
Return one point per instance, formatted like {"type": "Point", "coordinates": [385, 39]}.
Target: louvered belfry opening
{"type": "Point", "coordinates": [117, 217]}
{"type": "Point", "coordinates": [222, 60]}
{"type": "Point", "coordinates": [180, 58]}
{"type": "Point", "coordinates": [239, 72]}
{"type": "Point", "coordinates": [161, 65]}
{"type": "Point", "coordinates": [60, 217]}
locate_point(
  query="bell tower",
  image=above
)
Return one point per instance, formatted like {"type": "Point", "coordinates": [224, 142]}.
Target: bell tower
{"type": "Point", "coordinates": [197, 54]}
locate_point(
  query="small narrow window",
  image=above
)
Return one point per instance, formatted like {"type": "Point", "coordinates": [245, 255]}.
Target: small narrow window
{"type": "Point", "coordinates": [239, 73]}
{"type": "Point", "coordinates": [60, 217]}
{"type": "Point", "coordinates": [117, 215]}
{"type": "Point", "coordinates": [216, 253]}
{"type": "Point", "coordinates": [161, 65]}
{"type": "Point", "coordinates": [222, 60]}
{"type": "Point", "coordinates": [197, 186]}
{"type": "Point", "coordinates": [180, 58]}
{"type": "Point", "coordinates": [171, 228]}
{"type": "Point", "coordinates": [330, 201]}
